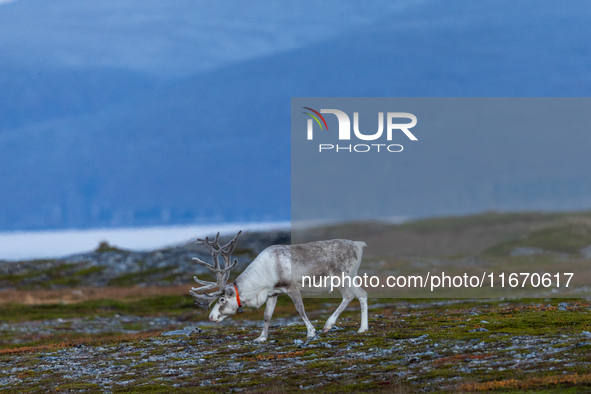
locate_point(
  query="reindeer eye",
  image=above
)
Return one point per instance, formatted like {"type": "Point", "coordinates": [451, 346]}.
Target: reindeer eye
{"type": "Point", "coordinates": [222, 300]}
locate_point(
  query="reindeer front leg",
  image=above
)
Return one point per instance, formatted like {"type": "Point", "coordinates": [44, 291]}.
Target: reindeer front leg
{"type": "Point", "coordinates": [269, 308]}
{"type": "Point", "coordinates": [296, 297]}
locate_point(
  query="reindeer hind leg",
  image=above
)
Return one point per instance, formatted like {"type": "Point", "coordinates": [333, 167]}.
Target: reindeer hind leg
{"type": "Point", "coordinates": [362, 297]}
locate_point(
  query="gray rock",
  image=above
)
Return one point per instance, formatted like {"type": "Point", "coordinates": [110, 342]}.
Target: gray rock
{"type": "Point", "coordinates": [526, 251]}
{"type": "Point", "coordinates": [479, 329]}
{"type": "Point", "coordinates": [418, 339]}
{"type": "Point", "coordinates": [185, 331]}
{"type": "Point", "coordinates": [563, 306]}
{"type": "Point", "coordinates": [586, 252]}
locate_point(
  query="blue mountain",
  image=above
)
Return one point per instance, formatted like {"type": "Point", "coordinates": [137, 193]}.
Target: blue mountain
{"type": "Point", "coordinates": [131, 113]}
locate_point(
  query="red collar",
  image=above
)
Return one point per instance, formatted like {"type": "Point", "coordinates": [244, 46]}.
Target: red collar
{"type": "Point", "coordinates": [237, 296]}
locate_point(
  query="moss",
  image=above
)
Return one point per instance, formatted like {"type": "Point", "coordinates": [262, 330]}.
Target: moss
{"type": "Point", "coordinates": [336, 369]}
{"type": "Point", "coordinates": [133, 326]}
{"type": "Point", "coordinates": [54, 275]}
{"type": "Point", "coordinates": [92, 270]}
{"type": "Point", "coordinates": [16, 279]}
{"type": "Point", "coordinates": [77, 387]}
{"type": "Point", "coordinates": [145, 365]}
{"type": "Point", "coordinates": [171, 305]}
{"type": "Point", "coordinates": [68, 281]}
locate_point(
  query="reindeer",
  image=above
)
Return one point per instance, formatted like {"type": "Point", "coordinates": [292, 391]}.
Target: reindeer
{"type": "Point", "coordinates": [279, 270]}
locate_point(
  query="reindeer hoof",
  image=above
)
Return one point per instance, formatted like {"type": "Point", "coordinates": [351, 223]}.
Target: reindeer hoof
{"type": "Point", "coordinates": [261, 339]}
{"type": "Point", "coordinates": [362, 330]}
{"type": "Point", "coordinates": [327, 329]}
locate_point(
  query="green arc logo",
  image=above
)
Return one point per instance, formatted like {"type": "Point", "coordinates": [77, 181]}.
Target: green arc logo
{"type": "Point", "coordinates": [315, 118]}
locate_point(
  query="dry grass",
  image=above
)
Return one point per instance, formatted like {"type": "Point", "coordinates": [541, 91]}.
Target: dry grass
{"type": "Point", "coordinates": [80, 294]}
{"type": "Point", "coordinates": [531, 383]}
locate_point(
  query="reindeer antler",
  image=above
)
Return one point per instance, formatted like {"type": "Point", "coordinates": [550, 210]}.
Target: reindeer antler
{"type": "Point", "coordinates": [202, 298]}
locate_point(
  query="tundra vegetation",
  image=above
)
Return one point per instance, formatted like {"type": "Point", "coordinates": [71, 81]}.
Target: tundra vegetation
{"type": "Point", "coordinates": [143, 333]}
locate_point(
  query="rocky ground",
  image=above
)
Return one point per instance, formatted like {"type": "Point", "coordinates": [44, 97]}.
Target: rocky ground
{"type": "Point", "coordinates": [442, 346]}
{"type": "Point", "coordinates": [116, 320]}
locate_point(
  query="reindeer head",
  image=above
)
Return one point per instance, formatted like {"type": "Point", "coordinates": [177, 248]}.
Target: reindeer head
{"type": "Point", "coordinates": [228, 303]}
